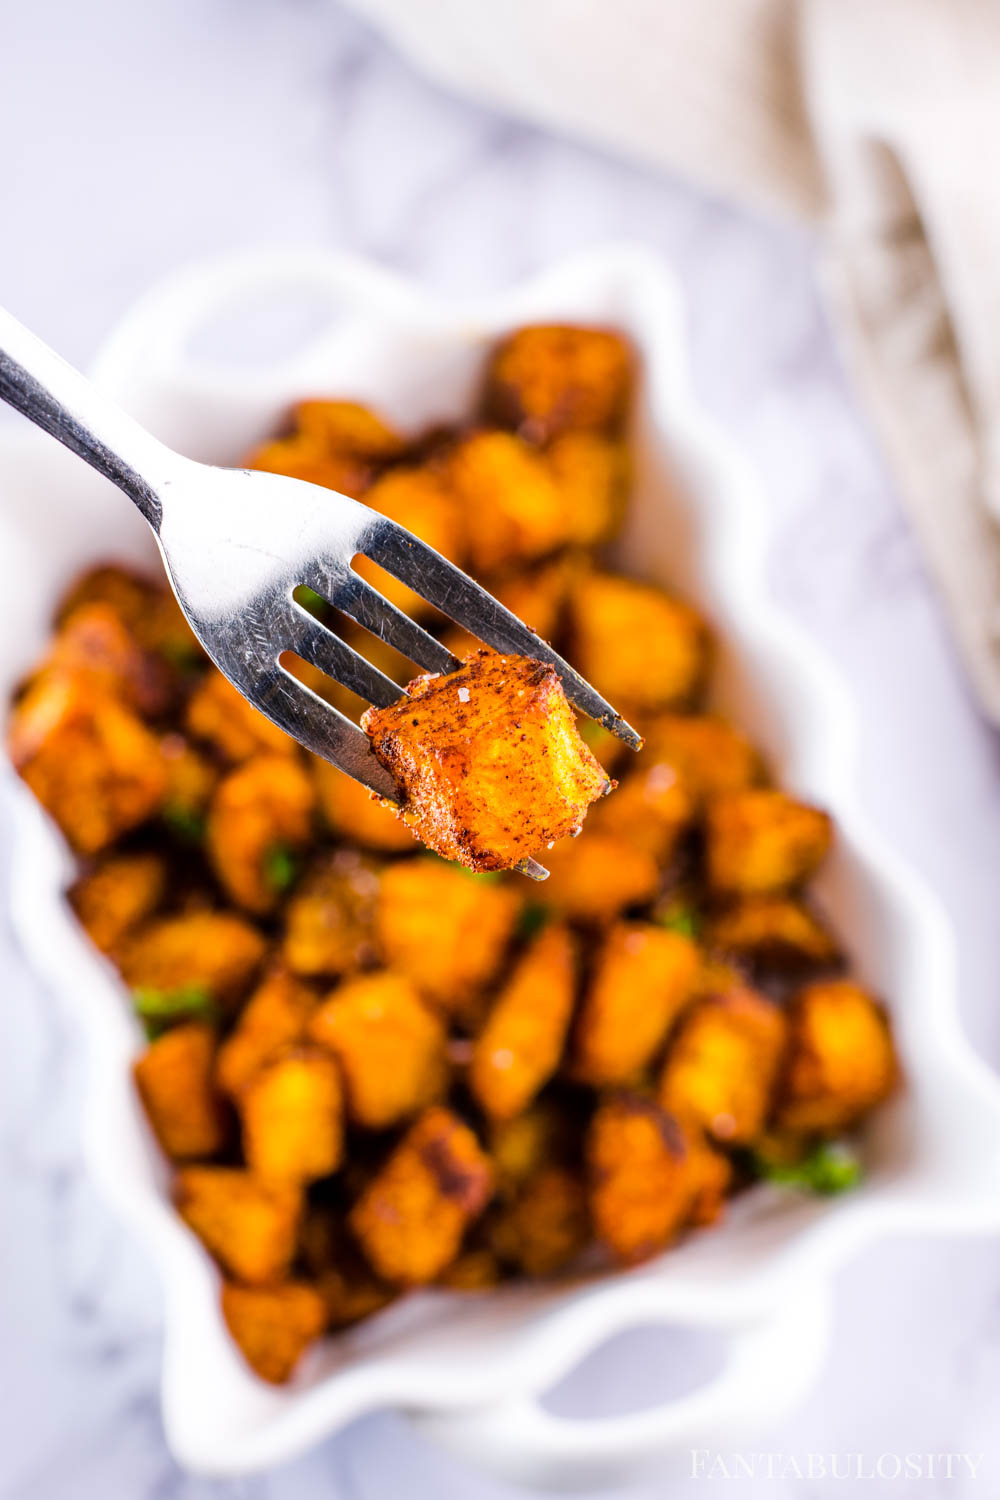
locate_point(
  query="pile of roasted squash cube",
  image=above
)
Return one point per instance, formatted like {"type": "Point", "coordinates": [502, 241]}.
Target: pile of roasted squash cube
{"type": "Point", "coordinates": [372, 1069]}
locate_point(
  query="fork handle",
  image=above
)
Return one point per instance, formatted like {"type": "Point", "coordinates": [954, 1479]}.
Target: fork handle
{"type": "Point", "coordinates": [57, 398]}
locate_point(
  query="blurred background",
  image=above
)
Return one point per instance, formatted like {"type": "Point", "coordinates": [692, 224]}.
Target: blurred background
{"type": "Point", "coordinates": [136, 137]}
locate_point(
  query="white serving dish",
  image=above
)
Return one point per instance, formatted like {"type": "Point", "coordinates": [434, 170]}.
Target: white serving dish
{"type": "Point", "coordinates": [470, 1369]}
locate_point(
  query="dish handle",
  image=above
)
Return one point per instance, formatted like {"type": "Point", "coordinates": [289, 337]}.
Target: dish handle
{"type": "Point", "coordinates": [769, 1364]}
{"type": "Point", "coordinates": [151, 345]}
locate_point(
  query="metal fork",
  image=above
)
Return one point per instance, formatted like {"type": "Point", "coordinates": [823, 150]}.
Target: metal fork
{"type": "Point", "coordinates": [237, 543]}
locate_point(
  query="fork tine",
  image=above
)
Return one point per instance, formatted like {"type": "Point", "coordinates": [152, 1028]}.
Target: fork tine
{"type": "Point", "coordinates": [349, 592]}
{"type": "Point", "coordinates": [315, 643]}
{"type": "Point", "coordinates": [464, 601]}
{"type": "Point", "coordinates": [319, 726]}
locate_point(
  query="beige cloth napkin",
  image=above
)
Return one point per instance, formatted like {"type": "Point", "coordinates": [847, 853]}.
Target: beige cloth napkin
{"type": "Point", "coordinates": [879, 119]}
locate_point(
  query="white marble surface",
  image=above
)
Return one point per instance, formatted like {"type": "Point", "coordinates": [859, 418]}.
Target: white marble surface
{"type": "Point", "coordinates": [135, 136]}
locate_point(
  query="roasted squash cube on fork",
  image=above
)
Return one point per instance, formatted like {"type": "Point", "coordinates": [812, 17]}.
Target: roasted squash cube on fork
{"type": "Point", "coordinates": [489, 762]}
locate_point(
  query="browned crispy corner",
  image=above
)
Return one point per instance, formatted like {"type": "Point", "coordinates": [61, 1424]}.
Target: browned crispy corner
{"type": "Point", "coordinates": [488, 759]}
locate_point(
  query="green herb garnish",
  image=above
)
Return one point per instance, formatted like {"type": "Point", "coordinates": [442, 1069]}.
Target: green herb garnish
{"type": "Point", "coordinates": [830, 1168]}
{"type": "Point", "coordinates": [187, 822]}
{"type": "Point", "coordinates": [184, 656]}
{"type": "Point", "coordinates": [281, 867]}
{"type": "Point", "coordinates": [158, 1010]}
{"type": "Point", "coordinates": [678, 918]}
{"type": "Point", "coordinates": [310, 600]}
{"type": "Point", "coordinates": [533, 918]}
{"type": "Point", "coordinates": [593, 734]}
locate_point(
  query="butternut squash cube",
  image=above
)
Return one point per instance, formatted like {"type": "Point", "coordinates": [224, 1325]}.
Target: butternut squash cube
{"type": "Point", "coordinates": [390, 1047]}
{"type": "Point", "coordinates": [512, 509]}
{"type": "Point", "coordinates": [95, 643]}
{"type": "Point", "coordinates": [222, 717]}
{"type": "Point", "coordinates": [92, 764]}
{"type": "Point", "coordinates": [411, 1218]}
{"type": "Point", "coordinates": [841, 1059]}
{"type": "Point", "coordinates": [636, 644]}
{"type": "Point", "coordinates": [651, 810]}
{"type": "Point", "coordinates": [775, 932]}
{"type": "Point", "coordinates": [722, 1066]}
{"type": "Point", "coordinates": [592, 471]}
{"type": "Point", "coordinates": [547, 378]}
{"type": "Point", "coordinates": [448, 931]}
{"type": "Point", "coordinates": [642, 978]}
{"type": "Point", "coordinates": [489, 763]}
{"type": "Point", "coordinates": [597, 876]}
{"type": "Point", "coordinates": [292, 1111]}
{"type": "Point", "coordinates": [175, 1083]}
{"type": "Point", "coordinates": [521, 1043]}
{"type": "Point", "coordinates": [211, 950]}
{"type": "Point", "coordinates": [329, 918]}
{"type": "Point", "coordinates": [640, 1184]}
{"type": "Point", "coordinates": [709, 755]}
{"type": "Point", "coordinates": [259, 822]}
{"type": "Point", "coordinates": [761, 841]}
{"type": "Point", "coordinates": [353, 812]}
{"type": "Point", "coordinates": [117, 894]}
{"type": "Point", "coordinates": [250, 1226]}
{"type": "Point", "coordinates": [275, 1016]}
{"type": "Point", "coordinates": [274, 1325]}
{"type": "Point", "coordinates": [347, 427]}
